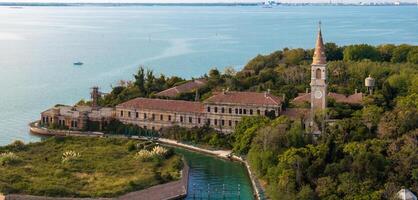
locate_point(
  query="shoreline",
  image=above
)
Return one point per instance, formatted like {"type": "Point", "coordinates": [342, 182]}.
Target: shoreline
{"type": "Point", "coordinates": [222, 154]}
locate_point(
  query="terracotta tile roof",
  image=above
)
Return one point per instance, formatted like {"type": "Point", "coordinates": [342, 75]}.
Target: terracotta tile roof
{"type": "Point", "coordinates": [319, 57]}
{"type": "Point", "coordinates": [356, 98]}
{"type": "Point", "coordinates": [183, 88]}
{"type": "Point", "coordinates": [254, 98]}
{"type": "Point", "coordinates": [301, 98]}
{"type": "Point", "coordinates": [163, 105]}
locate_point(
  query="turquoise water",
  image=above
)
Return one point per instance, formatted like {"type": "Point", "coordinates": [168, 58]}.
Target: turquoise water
{"type": "Point", "coordinates": [38, 46]}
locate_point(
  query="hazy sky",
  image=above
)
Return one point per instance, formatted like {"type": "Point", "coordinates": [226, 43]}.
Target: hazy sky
{"type": "Point", "coordinates": [194, 1]}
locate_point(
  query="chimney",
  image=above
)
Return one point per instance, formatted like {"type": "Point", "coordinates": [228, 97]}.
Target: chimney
{"type": "Point", "coordinates": [355, 91]}
{"type": "Point", "coordinates": [284, 97]}
{"type": "Point", "coordinates": [307, 90]}
{"type": "Point", "coordinates": [95, 95]}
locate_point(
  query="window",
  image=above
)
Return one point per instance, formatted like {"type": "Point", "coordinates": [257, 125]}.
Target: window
{"type": "Point", "coordinates": [208, 108]}
{"type": "Point", "coordinates": [251, 111]}
{"type": "Point", "coordinates": [318, 74]}
{"type": "Point", "coordinates": [169, 118]}
{"type": "Point", "coordinates": [137, 114]}
{"type": "Point", "coordinates": [230, 110]}
{"type": "Point", "coordinates": [236, 111]}
{"type": "Point", "coordinates": [145, 115]}
{"type": "Point", "coordinates": [236, 123]}
{"type": "Point", "coordinates": [215, 122]}
{"type": "Point", "coordinates": [153, 116]}
{"type": "Point", "coordinates": [190, 120]}
{"type": "Point", "coordinates": [223, 122]}
{"type": "Point", "coordinates": [216, 109]}
{"type": "Point", "coordinates": [245, 111]}
{"type": "Point", "coordinates": [121, 113]}
{"type": "Point", "coordinates": [208, 121]}
{"type": "Point", "coordinates": [161, 117]}
{"type": "Point", "coordinates": [222, 109]}
{"type": "Point", "coordinates": [145, 127]}
{"type": "Point", "coordinates": [198, 120]}
{"type": "Point", "coordinates": [258, 112]}
{"type": "Point", "coordinates": [75, 124]}
{"type": "Point", "coordinates": [129, 113]}
{"type": "Point", "coordinates": [230, 123]}
{"type": "Point", "coordinates": [181, 118]}
{"type": "Point", "coordinates": [240, 111]}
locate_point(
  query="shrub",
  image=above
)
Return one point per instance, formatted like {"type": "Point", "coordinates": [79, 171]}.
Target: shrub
{"type": "Point", "coordinates": [9, 158]}
{"type": "Point", "coordinates": [69, 156]}
{"type": "Point", "coordinates": [159, 151]}
{"type": "Point", "coordinates": [144, 155]}
{"type": "Point", "coordinates": [17, 145]}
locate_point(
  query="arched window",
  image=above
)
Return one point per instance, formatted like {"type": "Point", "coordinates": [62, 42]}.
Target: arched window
{"type": "Point", "coordinates": [318, 74]}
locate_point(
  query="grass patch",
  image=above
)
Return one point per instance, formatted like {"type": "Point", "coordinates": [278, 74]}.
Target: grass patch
{"type": "Point", "coordinates": [83, 167]}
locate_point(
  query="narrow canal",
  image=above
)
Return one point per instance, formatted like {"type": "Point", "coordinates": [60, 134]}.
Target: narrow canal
{"type": "Point", "coordinates": [214, 178]}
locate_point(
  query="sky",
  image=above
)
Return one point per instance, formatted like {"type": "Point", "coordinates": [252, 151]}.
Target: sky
{"type": "Point", "coordinates": [197, 1]}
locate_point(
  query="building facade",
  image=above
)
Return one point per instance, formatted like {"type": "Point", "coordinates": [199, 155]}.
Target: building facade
{"type": "Point", "coordinates": [222, 111]}
{"type": "Point", "coordinates": [76, 117]}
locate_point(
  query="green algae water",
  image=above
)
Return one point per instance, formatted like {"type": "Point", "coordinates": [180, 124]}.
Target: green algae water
{"type": "Point", "coordinates": [214, 178]}
{"type": "Point", "coordinates": [38, 46]}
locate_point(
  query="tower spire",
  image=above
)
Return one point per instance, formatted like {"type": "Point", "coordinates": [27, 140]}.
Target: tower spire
{"type": "Point", "coordinates": [319, 57]}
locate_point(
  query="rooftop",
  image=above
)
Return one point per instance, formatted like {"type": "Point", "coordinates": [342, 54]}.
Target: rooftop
{"type": "Point", "coordinates": [163, 105]}
{"type": "Point", "coordinates": [319, 57]}
{"type": "Point", "coordinates": [190, 86]}
{"type": "Point", "coordinates": [254, 98]}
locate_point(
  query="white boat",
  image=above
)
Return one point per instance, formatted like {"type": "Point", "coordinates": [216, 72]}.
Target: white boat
{"type": "Point", "coordinates": [269, 4]}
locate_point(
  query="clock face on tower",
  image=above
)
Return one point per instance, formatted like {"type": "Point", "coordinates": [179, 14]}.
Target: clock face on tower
{"type": "Point", "coordinates": [318, 94]}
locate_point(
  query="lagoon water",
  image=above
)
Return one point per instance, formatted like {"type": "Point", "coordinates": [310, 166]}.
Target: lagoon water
{"type": "Point", "coordinates": [38, 46]}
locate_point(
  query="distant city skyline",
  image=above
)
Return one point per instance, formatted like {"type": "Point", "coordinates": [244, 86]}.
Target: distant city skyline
{"type": "Point", "coordinates": [203, 1]}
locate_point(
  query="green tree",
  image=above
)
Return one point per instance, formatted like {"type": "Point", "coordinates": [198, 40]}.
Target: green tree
{"type": "Point", "coordinates": [360, 52]}
{"type": "Point", "coordinates": [413, 55]}
{"type": "Point", "coordinates": [245, 131]}
{"type": "Point", "coordinates": [386, 51]}
{"type": "Point", "coordinates": [333, 52]}
{"type": "Point", "coordinates": [371, 116]}
{"type": "Point", "coordinates": [294, 56]}
{"type": "Point", "coordinates": [400, 53]}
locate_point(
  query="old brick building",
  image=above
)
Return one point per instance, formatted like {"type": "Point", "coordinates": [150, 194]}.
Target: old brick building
{"type": "Point", "coordinates": [222, 111]}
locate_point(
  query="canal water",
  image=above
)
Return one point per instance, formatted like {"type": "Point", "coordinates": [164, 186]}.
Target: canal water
{"type": "Point", "coordinates": [214, 178]}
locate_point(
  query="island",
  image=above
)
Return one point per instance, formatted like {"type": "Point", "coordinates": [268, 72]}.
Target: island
{"type": "Point", "coordinates": [333, 122]}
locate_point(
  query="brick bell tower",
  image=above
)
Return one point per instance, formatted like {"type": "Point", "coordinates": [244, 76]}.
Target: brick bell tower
{"type": "Point", "coordinates": [319, 76]}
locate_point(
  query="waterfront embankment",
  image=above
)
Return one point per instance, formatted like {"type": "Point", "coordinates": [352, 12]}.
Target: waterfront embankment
{"type": "Point", "coordinates": [223, 154]}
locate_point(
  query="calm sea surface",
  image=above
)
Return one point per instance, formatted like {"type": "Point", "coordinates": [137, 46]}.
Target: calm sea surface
{"type": "Point", "coordinates": [39, 44]}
